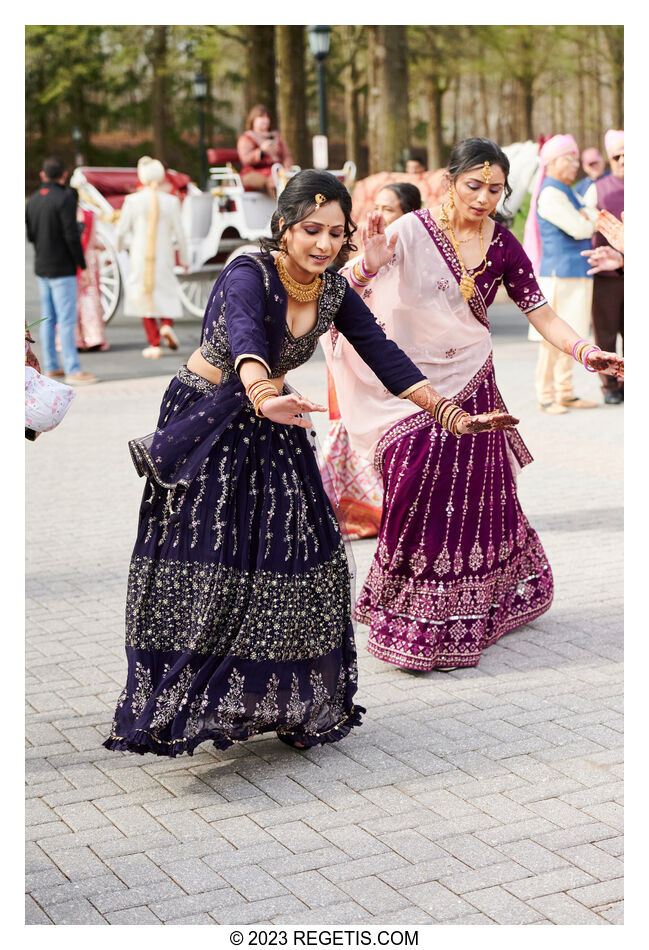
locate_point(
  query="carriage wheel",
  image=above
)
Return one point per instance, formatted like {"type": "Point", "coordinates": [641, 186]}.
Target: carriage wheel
{"type": "Point", "coordinates": [195, 289]}
{"type": "Point", "coordinates": [110, 282]}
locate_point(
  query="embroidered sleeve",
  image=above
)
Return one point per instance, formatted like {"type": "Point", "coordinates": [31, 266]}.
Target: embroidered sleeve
{"type": "Point", "coordinates": [235, 317]}
{"type": "Point", "coordinates": [518, 278]}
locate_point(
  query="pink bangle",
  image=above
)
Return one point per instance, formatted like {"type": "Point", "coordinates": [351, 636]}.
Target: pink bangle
{"type": "Point", "coordinates": [367, 274]}
{"type": "Point", "coordinates": [591, 349]}
{"type": "Point", "coordinates": [578, 343]}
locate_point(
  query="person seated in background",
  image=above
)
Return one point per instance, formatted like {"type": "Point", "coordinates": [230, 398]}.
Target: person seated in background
{"type": "Point", "coordinates": [259, 148]}
{"type": "Point", "coordinates": [415, 167]}
{"type": "Point", "coordinates": [594, 165]}
{"type": "Point", "coordinates": [396, 199]}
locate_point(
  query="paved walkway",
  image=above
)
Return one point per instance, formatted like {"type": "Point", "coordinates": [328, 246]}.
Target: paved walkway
{"type": "Point", "coordinates": [489, 795]}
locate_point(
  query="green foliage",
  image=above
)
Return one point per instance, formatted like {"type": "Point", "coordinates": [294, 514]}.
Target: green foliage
{"type": "Point", "coordinates": [509, 82]}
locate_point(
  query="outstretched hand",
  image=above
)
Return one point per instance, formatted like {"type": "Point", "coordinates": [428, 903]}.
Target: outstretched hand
{"type": "Point", "coordinates": [377, 251]}
{"type": "Point", "coordinates": [286, 409]}
{"type": "Point", "coordinates": [609, 363]}
{"type": "Point", "coordinates": [612, 229]}
{"type": "Point", "coordinates": [487, 422]}
{"type": "Point", "coordinates": [603, 258]}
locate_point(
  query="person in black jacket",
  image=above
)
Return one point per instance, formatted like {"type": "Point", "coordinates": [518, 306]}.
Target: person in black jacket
{"type": "Point", "coordinates": [51, 218]}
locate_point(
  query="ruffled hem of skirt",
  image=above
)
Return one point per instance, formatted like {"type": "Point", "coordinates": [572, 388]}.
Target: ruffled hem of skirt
{"type": "Point", "coordinates": [141, 741]}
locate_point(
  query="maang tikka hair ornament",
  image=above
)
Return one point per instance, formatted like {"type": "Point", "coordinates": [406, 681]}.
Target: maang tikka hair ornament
{"type": "Point", "coordinates": [487, 172]}
{"type": "Point", "coordinates": [320, 199]}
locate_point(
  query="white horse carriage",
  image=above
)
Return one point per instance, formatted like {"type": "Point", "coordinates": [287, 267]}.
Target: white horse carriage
{"type": "Point", "coordinates": [216, 222]}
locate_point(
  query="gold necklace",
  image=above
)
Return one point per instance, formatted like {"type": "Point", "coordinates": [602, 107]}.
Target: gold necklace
{"type": "Point", "coordinates": [467, 282]}
{"type": "Point", "coordinates": [300, 292]}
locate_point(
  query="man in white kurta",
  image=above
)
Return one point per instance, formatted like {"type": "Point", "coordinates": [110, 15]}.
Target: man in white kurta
{"type": "Point", "coordinates": [151, 218]}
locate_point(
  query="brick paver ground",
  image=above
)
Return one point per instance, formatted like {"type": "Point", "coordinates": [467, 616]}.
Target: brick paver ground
{"type": "Point", "coordinates": [488, 795]}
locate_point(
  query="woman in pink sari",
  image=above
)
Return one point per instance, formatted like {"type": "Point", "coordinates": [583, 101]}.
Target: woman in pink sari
{"type": "Point", "coordinates": [457, 564]}
{"type": "Point", "coordinates": [356, 483]}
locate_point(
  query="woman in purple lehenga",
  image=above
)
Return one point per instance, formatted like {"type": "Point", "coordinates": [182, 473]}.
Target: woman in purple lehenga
{"type": "Point", "coordinates": [457, 563]}
{"type": "Point", "coordinates": [238, 615]}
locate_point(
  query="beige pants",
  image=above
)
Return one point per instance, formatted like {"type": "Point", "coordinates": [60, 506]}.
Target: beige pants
{"type": "Point", "coordinates": [571, 299]}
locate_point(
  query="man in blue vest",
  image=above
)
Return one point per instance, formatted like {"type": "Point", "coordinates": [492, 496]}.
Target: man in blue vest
{"type": "Point", "coordinates": [564, 230]}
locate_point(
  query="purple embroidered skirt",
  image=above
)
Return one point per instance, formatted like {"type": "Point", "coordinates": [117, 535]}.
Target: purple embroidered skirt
{"type": "Point", "coordinates": [457, 563]}
{"type": "Point", "coordinates": [238, 613]}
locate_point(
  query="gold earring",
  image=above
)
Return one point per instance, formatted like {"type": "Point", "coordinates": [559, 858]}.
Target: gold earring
{"type": "Point", "coordinates": [284, 244]}
{"type": "Point", "coordinates": [451, 203]}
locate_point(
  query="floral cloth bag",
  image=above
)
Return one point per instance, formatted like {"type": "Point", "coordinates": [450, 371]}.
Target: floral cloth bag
{"type": "Point", "coordinates": [46, 401]}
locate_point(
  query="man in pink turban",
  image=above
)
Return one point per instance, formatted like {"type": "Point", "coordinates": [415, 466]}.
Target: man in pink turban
{"type": "Point", "coordinates": [607, 194]}
{"type": "Point", "coordinates": [594, 166]}
{"type": "Point", "coordinates": [557, 230]}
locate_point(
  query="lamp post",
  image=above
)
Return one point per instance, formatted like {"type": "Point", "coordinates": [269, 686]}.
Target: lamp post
{"type": "Point", "coordinates": [76, 138]}
{"type": "Point", "coordinates": [200, 94]}
{"type": "Point", "coordinates": [319, 39]}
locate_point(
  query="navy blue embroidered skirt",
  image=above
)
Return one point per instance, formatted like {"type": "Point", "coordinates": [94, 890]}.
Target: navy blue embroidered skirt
{"type": "Point", "coordinates": [238, 614]}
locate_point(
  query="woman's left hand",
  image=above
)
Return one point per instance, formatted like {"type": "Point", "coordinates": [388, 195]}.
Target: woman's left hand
{"type": "Point", "coordinates": [608, 363]}
{"type": "Point", "coordinates": [286, 410]}
{"type": "Point", "coordinates": [376, 250]}
{"type": "Point", "coordinates": [487, 422]}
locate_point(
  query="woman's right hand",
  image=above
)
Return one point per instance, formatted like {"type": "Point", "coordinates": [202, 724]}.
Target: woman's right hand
{"type": "Point", "coordinates": [486, 422]}
{"type": "Point", "coordinates": [376, 250]}
{"type": "Point", "coordinates": [285, 409]}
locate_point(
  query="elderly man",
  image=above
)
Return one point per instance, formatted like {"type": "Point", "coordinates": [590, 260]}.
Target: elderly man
{"type": "Point", "coordinates": [608, 286]}
{"type": "Point", "coordinates": [594, 165]}
{"type": "Point", "coordinates": [557, 230]}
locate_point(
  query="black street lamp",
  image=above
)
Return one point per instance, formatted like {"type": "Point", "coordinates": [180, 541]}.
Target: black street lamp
{"type": "Point", "coordinates": [200, 94]}
{"type": "Point", "coordinates": [319, 38]}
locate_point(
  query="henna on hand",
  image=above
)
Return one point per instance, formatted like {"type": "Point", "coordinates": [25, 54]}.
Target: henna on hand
{"type": "Point", "coordinates": [487, 422]}
{"type": "Point", "coordinates": [425, 397]}
{"type": "Point", "coordinates": [609, 363]}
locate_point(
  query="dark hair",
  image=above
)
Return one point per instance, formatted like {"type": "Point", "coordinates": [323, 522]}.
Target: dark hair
{"type": "Point", "coordinates": [53, 168]}
{"type": "Point", "coordinates": [409, 195]}
{"type": "Point", "coordinates": [298, 200]}
{"type": "Point", "coordinates": [257, 110]}
{"type": "Point", "coordinates": [471, 152]}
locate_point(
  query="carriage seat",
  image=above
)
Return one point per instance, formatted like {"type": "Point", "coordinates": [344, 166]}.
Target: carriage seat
{"type": "Point", "coordinates": [223, 156]}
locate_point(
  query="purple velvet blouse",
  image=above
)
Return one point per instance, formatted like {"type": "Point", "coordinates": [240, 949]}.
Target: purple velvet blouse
{"type": "Point", "coordinates": [507, 264]}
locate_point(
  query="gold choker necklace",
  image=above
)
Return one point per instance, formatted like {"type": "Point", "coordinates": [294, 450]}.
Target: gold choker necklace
{"type": "Point", "coordinates": [300, 292]}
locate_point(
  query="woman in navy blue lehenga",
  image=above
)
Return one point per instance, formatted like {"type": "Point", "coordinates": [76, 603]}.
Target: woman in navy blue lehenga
{"type": "Point", "coordinates": [238, 615]}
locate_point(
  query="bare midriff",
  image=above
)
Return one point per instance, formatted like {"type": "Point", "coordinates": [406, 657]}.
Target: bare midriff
{"type": "Point", "coordinates": [199, 365]}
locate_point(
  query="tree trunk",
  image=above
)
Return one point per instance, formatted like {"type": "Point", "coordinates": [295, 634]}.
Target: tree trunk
{"type": "Point", "coordinates": [484, 101]}
{"type": "Point", "coordinates": [434, 130]}
{"type": "Point", "coordinates": [456, 108]}
{"type": "Point", "coordinates": [528, 108]}
{"type": "Point", "coordinates": [260, 68]}
{"type": "Point", "coordinates": [581, 101]}
{"type": "Point", "coordinates": [388, 96]}
{"type": "Point", "coordinates": [291, 82]}
{"type": "Point", "coordinates": [159, 118]}
{"type": "Point", "coordinates": [350, 85]}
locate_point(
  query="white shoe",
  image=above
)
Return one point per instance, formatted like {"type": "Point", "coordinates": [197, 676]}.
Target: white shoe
{"type": "Point", "coordinates": [152, 352]}
{"type": "Point", "coordinates": [170, 338]}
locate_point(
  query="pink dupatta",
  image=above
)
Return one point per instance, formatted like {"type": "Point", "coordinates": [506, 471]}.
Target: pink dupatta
{"type": "Point", "coordinates": [416, 299]}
